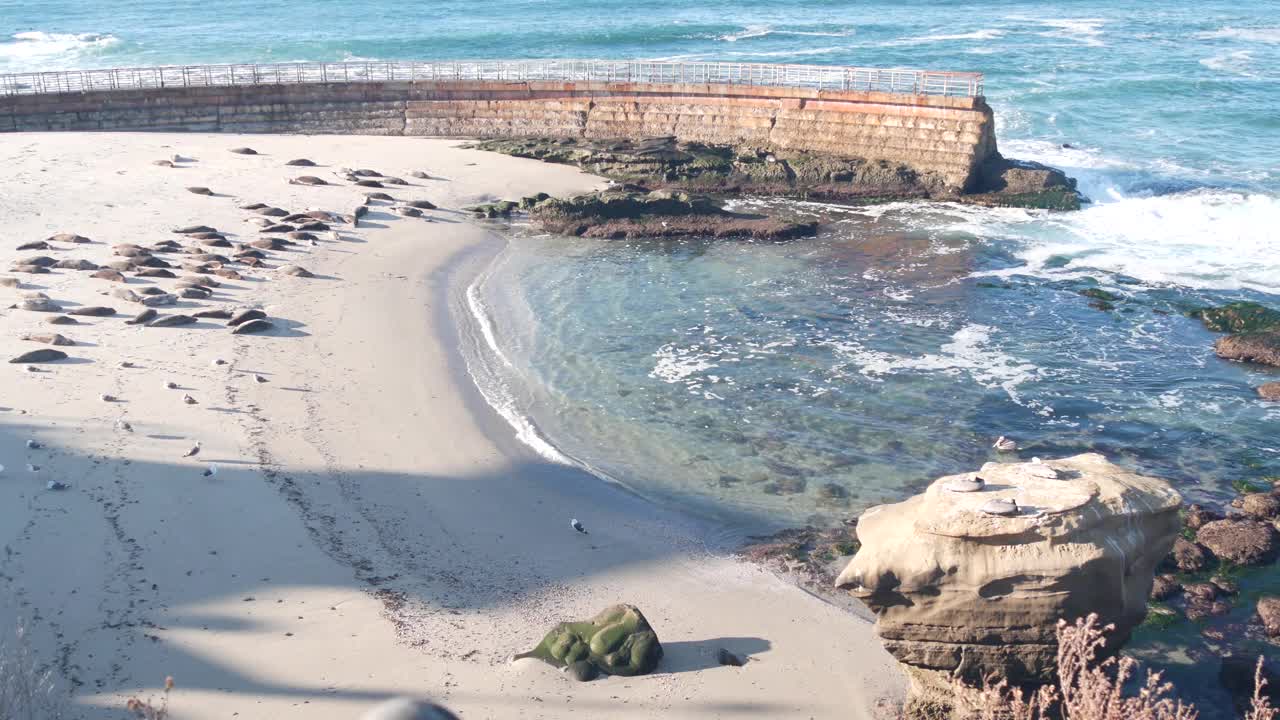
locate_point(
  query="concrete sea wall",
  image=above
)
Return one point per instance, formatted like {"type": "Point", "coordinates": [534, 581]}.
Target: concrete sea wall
{"type": "Point", "coordinates": [947, 138]}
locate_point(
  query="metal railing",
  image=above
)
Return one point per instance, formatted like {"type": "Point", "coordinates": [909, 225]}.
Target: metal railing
{"type": "Point", "coordinates": [821, 77]}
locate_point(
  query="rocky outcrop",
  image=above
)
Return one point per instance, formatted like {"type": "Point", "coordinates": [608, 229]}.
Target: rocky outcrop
{"type": "Point", "coordinates": [1241, 541]}
{"type": "Point", "coordinates": [961, 590]}
{"type": "Point", "coordinates": [661, 213]}
{"type": "Point", "coordinates": [618, 641]}
{"type": "Point", "coordinates": [1254, 328]}
{"type": "Point", "coordinates": [1269, 391]}
{"type": "Point", "coordinates": [665, 162]}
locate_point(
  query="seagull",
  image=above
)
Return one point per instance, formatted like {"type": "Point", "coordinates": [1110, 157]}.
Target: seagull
{"type": "Point", "coordinates": [577, 526]}
{"type": "Point", "coordinates": [210, 471]}
{"type": "Point", "coordinates": [170, 385]}
{"type": "Point", "coordinates": [56, 485]}
{"type": "Point", "coordinates": [33, 468]}
{"type": "Point", "coordinates": [259, 378]}
{"type": "Point", "coordinates": [33, 368]}
{"type": "Point", "coordinates": [195, 450]}
{"type": "Point", "coordinates": [124, 425]}
{"type": "Point", "coordinates": [33, 445]}
{"type": "Point", "coordinates": [108, 398]}
{"type": "Point", "coordinates": [126, 364]}
{"type": "Point", "coordinates": [219, 361]}
{"type": "Point", "coordinates": [1004, 444]}
{"type": "Point", "coordinates": [189, 400]}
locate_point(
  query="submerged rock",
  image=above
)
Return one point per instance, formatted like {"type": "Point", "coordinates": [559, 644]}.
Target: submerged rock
{"type": "Point", "coordinates": [1187, 556]}
{"type": "Point", "coordinates": [1243, 542]}
{"type": "Point", "coordinates": [964, 592]}
{"type": "Point", "coordinates": [618, 641]}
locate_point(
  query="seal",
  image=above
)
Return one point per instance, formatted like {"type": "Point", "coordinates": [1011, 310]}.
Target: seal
{"type": "Point", "coordinates": [300, 162]}
{"type": "Point", "coordinates": [244, 151]}
{"type": "Point", "coordinates": [143, 317]}
{"type": "Point", "coordinates": [199, 190]}
{"type": "Point", "coordinates": [244, 316]}
{"type": "Point", "coordinates": [171, 321]}
{"type": "Point", "coordinates": [253, 326]}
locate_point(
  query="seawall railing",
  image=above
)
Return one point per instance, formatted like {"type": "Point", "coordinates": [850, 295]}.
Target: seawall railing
{"type": "Point", "coordinates": [821, 77]}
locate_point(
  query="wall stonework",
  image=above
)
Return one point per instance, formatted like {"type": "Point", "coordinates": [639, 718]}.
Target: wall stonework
{"type": "Point", "coordinates": [946, 137]}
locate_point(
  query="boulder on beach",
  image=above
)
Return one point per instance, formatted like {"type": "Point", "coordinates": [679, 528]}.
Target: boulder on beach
{"type": "Point", "coordinates": [1237, 317]}
{"type": "Point", "coordinates": [1260, 505]}
{"type": "Point", "coordinates": [1269, 614]}
{"type": "Point", "coordinates": [1187, 556]}
{"type": "Point", "coordinates": [42, 355]}
{"type": "Point", "coordinates": [960, 590]}
{"type": "Point", "coordinates": [618, 641]}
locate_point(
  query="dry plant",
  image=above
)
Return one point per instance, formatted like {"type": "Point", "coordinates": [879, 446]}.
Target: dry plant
{"type": "Point", "coordinates": [1089, 689]}
{"type": "Point", "coordinates": [27, 692]}
{"type": "Point", "coordinates": [148, 709]}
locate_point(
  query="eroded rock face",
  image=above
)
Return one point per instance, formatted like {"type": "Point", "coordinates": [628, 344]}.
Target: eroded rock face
{"type": "Point", "coordinates": [957, 588]}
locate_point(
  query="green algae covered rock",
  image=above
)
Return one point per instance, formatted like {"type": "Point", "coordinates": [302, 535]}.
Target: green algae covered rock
{"type": "Point", "coordinates": [1237, 317]}
{"type": "Point", "coordinates": [618, 641]}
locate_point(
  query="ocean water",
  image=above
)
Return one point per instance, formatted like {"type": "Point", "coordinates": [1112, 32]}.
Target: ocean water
{"type": "Point", "coordinates": [765, 385]}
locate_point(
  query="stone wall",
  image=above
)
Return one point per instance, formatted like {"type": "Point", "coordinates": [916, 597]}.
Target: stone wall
{"type": "Point", "coordinates": [948, 137]}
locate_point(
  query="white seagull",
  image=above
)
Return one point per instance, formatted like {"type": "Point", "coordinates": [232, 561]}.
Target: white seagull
{"type": "Point", "coordinates": [195, 450]}
{"type": "Point", "coordinates": [124, 425]}
{"type": "Point", "coordinates": [33, 445]}
{"type": "Point", "coordinates": [577, 526]}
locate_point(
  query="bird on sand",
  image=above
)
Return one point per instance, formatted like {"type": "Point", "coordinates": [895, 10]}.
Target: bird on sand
{"type": "Point", "coordinates": [577, 526]}
{"type": "Point", "coordinates": [124, 425]}
{"type": "Point", "coordinates": [108, 398]}
{"type": "Point", "coordinates": [259, 378]}
{"type": "Point", "coordinates": [195, 450]}
{"type": "Point", "coordinates": [189, 400]}
{"type": "Point", "coordinates": [210, 471]}
{"type": "Point", "coordinates": [219, 361]}
{"type": "Point", "coordinates": [1004, 444]}
{"type": "Point", "coordinates": [170, 385]}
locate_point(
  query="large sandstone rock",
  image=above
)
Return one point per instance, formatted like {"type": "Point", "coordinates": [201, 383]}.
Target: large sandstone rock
{"type": "Point", "coordinates": [958, 589]}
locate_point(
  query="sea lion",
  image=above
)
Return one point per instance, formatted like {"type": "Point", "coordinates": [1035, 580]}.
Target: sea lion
{"type": "Point", "coordinates": [155, 273]}
{"type": "Point", "coordinates": [171, 321]}
{"type": "Point", "coordinates": [244, 151]}
{"type": "Point", "coordinates": [214, 314]}
{"type": "Point", "coordinates": [192, 229]}
{"type": "Point", "coordinates": [93, 311]}
{"type": "Point", "coordinates": [159, 300]}
{"type": "Point", "coordinates": [369, 183]}
{"type": "Point", "coordinates": [279, 228]}
{"type": "Point", "coordinates": [268, 243]}
{"type": "Point", "coordinates": [300, 162]}
{"type": "Point", "coordinates": [150, 290]}
{"type": "Point", "coordinates": [143, 317]}
{"type": "Point", "coordinates": [366, 173]}
{"type": "Point", "coordinates": [69, 238]}
{"type": "Point", "coordinates": [379, 196]}
{"type": "Point", "coordinates": [307, 180]}
{"type": "Point", "coordinates": [273, 212]}
{"type": "Point", "coordinates": [39, 305]}
{"type": "Point", "coordinates": [109, 275]}
{"type": "Point", "coordinates": [62, 320]}
{"type": "Point", "coordinates": [39, 261]}
{"type": "Point", "coordinates": [42, 355]}
{"type": "Point", "coordinates": [199, 190]}
{"type": "Point", "coordinates": [49, 339]}
{"type": "Point", "coordinates": [393, 181]}
{"type": "Point", "coordinates": [296, 271]}
{"type": "Point", "coordinates": [81, 264]}
{"type": "Point", "coordinates": [421, 204]}
{"type": "Point", "coordinates": [34, 245]}
{"type": "Point", "coordinates": [244, 316]}
{"type": "Point", "coordinates": [252, 326]}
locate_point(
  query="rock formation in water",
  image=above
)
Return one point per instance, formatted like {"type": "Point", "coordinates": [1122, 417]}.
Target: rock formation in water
{"type": "Point", "coordinates": [1254, 332]}
{"type": "Point", "coordinates": [664, 162]}
{"type": "Point", "coordinates": [961, 590]}
{"type": "Point", "coordinates": [660, 213]}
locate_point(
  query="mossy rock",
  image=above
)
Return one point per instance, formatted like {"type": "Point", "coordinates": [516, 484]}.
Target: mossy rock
{"type": "Point", "coordinates": [1237, 317]}
{"type": "Point", "coordinates": [618, 641]}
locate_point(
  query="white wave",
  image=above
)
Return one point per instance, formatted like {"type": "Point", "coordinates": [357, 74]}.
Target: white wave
{"type": "Point", "coordinates": [1087, 31]}
{"type": "Point", "coordinates": [1207, 239]}
{"type": "Point", "coordinates": [756, 31]}
{"type": "Point", "coordinates": [36, 50]}
{"type": "Point", "coordinates": [1236, 62]}
{"type": "Point", "coordinates": [1269, 35]}
{"type": "Point", "coordinates": [970, 352]}
{"type": "Point", "coordinates": [985, 34]}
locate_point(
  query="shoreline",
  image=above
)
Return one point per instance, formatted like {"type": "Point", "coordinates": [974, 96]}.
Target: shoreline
{"type": "Point", "coordinates": [361, 478]}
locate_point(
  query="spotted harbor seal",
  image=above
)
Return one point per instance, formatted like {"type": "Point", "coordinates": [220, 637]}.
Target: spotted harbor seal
{"type": "Point", "coordinates": [49, 339]}
{"type": "Point", "coordinates": [308, 180]}
{"type": "Point", "coordinates": [253, 326]}
{"type": "Point", "coordinates": [34, 245]}
{"type": "Point", "coordinates": [300, 162]}
{"type": "Point", "coordinates": [42, 355]}
{"type": "Point", "coordinates": [76, 264]}
{"type": "Point", "coordinates": [369, 183]}
{"type": "Point", "coordinates": [143, 317]}
{"type": "Point", "coordinates": [421, 204]}
{"type": "Point", "coordinates": [379, 196]}
{"type": "Point", "coordinates": [244, 151]}
{"type": "Point", "coordinates": [244, 316]}
{"type": "Point", "coordinates": [273, 211]}
{"type": "Point", "coordinates": [93, 311]}
{"type": "Point", "coordinates": [69, 238]}
{"type": "Point", "coordinates": [109, 275]}
{"type": "Point", "coordinates": [199, 190]}
{"type": "Point", "coordinates": [191, 229]}
{"type": "Point", "coordinates": [296, 271]}
{"type": "Point", "coordinates": [171, 321]}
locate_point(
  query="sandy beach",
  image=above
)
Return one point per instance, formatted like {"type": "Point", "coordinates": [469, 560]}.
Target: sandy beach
{"type": "Point", "coordinates": [373, 528]}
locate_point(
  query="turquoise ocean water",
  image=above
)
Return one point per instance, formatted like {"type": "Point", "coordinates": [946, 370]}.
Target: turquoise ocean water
{"type": "Point", "coordinates": [765, 385]}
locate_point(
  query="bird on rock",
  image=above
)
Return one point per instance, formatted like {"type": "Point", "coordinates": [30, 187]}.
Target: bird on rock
{"type": "Point", "coordinates": [1004, 444]}
{"type": "Point", "coordinates": [577, 526]}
